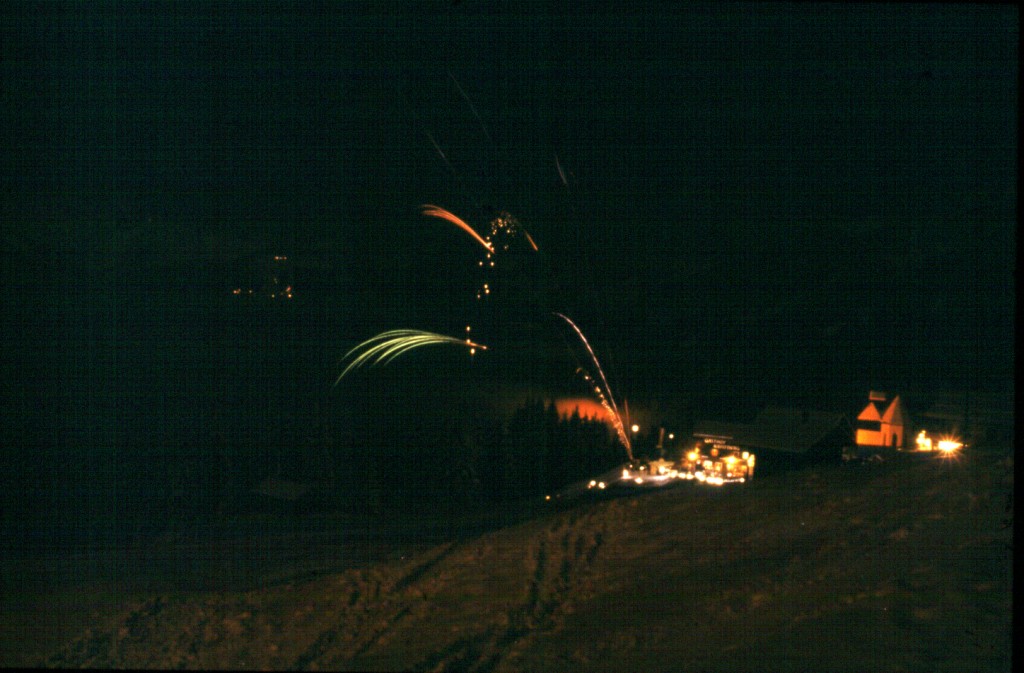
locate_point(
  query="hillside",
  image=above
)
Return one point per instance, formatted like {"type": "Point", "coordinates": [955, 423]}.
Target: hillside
{"type": "Point", "coordinates": [897, 566]}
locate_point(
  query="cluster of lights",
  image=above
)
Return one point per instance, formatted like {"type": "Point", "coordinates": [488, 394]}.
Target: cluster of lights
{"type": "Point", "coordinates": [275, 293]}
{"type": "Point", "coordinates": [660, 472]}
{"type": "Point", "coordinates": [286, 293]}
{"type": "Point", "coordinates": [947, 446]}
{"type": "Point", "coordinates": [505, 228]}
{"type": "Point", "coordinates": [709, 469]}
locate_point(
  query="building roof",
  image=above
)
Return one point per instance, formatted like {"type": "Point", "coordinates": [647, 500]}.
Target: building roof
{"type": "Point", "coordinates": [894, 414]}
{"type": "Point", "coordinates": [870, 413]}
{"type": "Point", "coordinates": [778, 429]}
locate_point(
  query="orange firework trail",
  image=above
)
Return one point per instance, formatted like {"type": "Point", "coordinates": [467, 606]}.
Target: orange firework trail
{"type": "Point", "coordinates": [607, 400]}
{"type": "Point", "coordinates": [530, 240]}
{"type": "Point", "coordinates": [437, 211]}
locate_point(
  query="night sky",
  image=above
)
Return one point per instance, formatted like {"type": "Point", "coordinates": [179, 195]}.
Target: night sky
{"type": "Point", "coordinates": [785, 199]}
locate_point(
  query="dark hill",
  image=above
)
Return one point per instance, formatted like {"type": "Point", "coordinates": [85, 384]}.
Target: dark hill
{"type": "Point", "coordinates": [897, 566]}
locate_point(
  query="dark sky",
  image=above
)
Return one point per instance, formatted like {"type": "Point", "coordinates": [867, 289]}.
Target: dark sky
{"type": "Point", "coordinates": [831, 182]}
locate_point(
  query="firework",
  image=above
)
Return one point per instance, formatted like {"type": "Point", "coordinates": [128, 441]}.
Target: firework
{"type": "Point", "coordinates": [506, 227]}
{"type": "Point", "coordinates": [437, 211]}
{"type": "Point", "coordinates": [471, 106]}
{"type": "Point", "coordinates": [604, 394]}
{"type": "Point", "coordinates": [387, 346]}
{"type": "Point", "coordinates": [440, 153]}
{"type": "Point", "coordinates": [561, 173]}
{"type": "Point", "coordinates": [529, 239]}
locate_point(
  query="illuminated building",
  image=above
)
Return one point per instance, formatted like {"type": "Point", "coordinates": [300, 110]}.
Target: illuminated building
{"type": "Point", "coordinates": [782, 435]}
{"type": "Point", "coordinates": [881, 427]}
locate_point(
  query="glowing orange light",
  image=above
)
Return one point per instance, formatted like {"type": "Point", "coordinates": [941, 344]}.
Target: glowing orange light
{"type": "Point", "coordinates": [437, 211]}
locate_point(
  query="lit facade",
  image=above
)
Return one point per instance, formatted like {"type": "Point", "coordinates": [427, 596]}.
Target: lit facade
{"type": "Point", "coordinates": [882, 424]}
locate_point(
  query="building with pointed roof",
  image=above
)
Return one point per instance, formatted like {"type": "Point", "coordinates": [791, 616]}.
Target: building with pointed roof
{"type": "Point", "coordinates": [880, 424]}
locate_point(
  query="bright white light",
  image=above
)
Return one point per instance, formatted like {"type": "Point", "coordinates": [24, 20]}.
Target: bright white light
{"type": "Point", "coordinates": [635, 428]}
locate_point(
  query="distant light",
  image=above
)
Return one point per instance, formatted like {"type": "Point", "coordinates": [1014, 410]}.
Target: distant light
{"type": "Point", "coordinates": [635, 428]}
{"type": "Point", "coordinates": [671, 435]}
{"type": "Point", "coordinates": [639, 480]}
{"type": "Point", "coordinates": [600, 484]}
{"type": "Point", "coordinates": [949, 445]}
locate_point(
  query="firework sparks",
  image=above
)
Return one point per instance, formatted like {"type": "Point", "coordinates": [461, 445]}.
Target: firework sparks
{"type": "Point", "coordinates": [440, 153]}
{"type": "Point", "coordinates": [561, 173]}
{"type": "Point", "coordinates": [471, 106]}
{"type": "Point", "coordinates": [529, 239]}
{"type": "Point", "coordinates": [437, 211]}
{"type": "Point", "coordinates": [605, 394]}
{"type": "Point", "coordinates": [387, 346]}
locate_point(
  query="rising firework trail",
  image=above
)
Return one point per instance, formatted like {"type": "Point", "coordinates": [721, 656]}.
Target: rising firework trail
{"type": "Point", "coordinates": [605, 395]}
{"type": "Point", "coordinates": [387, 346]}
{"type": "Point", "coordinates": [561, 173]}
{"type": "Point", "coordinates": [529, 239]}
{"type": "Point", "coordinates": [471, 106]}
{"type": "Point", "coordinates": [440, 153]}
{"type": "Point", "coordinates": [437, 211]}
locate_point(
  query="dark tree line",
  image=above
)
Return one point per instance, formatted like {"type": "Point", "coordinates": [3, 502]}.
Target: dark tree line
{"type": "Point", "coordinates": [485, 461]}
